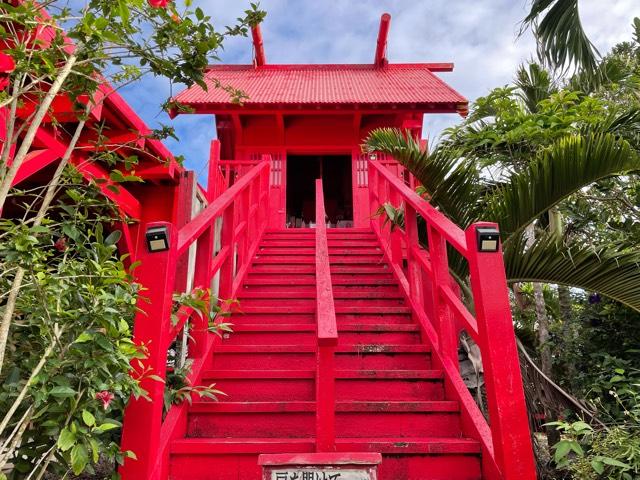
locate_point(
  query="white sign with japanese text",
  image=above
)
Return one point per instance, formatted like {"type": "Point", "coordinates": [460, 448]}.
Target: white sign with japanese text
{"type": "Point", "coordinates": [319, 474]}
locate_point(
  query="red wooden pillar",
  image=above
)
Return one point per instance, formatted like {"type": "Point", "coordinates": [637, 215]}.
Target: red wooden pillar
{"type": "Point", "coordinates": [440, 277]}
{"type": "Point", "coordinates": [184, 207]}
{"type": "Point", "coordinates": [395, 234]}
{"type": "Point", "coordinates": [228, 240]}
{"type": "Point", "coordinates": [414, 270]}
{"type": "Point", "coordinates": [507, 408]}
{"type": "Point", "coordinates": [202, 279]}
{"type": "Point", "coordinates": [214, 171]}
{"type": "Point", "coordinates": [143, 418]}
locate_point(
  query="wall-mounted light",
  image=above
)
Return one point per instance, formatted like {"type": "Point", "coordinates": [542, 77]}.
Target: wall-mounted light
{"type": "Point", "coordinates": [373, 156]}
{"type": "Point", "coordinates": [157, 239]}
{"type": "Point", "coordinates": [488, 239]}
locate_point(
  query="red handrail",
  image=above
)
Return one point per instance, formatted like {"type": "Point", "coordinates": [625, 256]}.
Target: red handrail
{"type": "Point", "coordinates": [327, 331]}
{"type": "Point", "coordinates": [234, 222]}
{"type": "Point", "coordinates": [435, 303]}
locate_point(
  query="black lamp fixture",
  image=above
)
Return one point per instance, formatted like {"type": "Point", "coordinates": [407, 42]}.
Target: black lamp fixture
{"type": "Point", "coordinates": [157, 239]}
{"type": "Point", "coordinates": [488, 239]}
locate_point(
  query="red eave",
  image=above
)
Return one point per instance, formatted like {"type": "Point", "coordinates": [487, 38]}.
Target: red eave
{"type": "Point", "coordinates": [395, 86]}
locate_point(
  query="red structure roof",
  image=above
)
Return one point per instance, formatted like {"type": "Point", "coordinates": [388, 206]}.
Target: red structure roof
{"type": "Point", "coordinates": [407, 85]}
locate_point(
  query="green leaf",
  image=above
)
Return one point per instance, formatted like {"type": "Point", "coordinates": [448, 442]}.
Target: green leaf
{"type": "Point", "coordinates": [79, 458]}
{"type": "Point", "coordinates": [113, 237]}
{"type": "Point", "coordinates": [66, 440]}
{"type": "Point", "coordinates": [105, 427]}
{"type": "Point", "coordinates": [84, 337]}
{"type": "Point", "coordinates": [581, 426]}
{"type": "Point", "coordinates": [562, 450]}
{"type": "Point", "coordinates": [614, 463]}
{"type": "Point", "coordinates": [597, 466]}
{"type": "Point", "coordinates": [88, 418]}
{"type": "Point", "coordinates": [62, 392]}
{"type": "Point", "coordinates": [95, 450]}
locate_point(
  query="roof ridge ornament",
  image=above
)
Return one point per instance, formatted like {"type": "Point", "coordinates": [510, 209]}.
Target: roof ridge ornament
{"type": "Point", "coordinates": [380, 59]}
{"type": "Point", "coordinates": [258, 46]}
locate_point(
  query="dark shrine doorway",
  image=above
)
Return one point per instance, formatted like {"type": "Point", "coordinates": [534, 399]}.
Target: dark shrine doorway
{"type": "Point", "coordinates": [302, 172]}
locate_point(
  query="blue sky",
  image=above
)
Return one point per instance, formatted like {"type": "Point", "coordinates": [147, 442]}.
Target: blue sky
{"type": "Point", "coordinates": [480, 37]}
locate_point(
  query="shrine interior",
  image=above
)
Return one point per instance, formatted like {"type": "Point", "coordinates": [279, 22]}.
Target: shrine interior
{"type": "Point", "coordinates": [335, 172]}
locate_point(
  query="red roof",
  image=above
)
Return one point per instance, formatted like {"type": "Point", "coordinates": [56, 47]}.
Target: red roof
{"type": "Point", "coordinates": [413, 85]}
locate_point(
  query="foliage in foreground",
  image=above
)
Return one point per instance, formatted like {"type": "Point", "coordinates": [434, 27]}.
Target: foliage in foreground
{"type": "Point", "coordinates": [71, 345]}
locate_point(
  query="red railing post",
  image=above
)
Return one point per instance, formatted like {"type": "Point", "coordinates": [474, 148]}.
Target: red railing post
{"type": "Point", "coordinates": [373, 178]}
{"type": "Point", "coordinates": [327, 334]}
{"type": "Point", "coordinates": [505, 394]}
{"type": "Point", "coordinates": [448, 340]}
{"type": "Point", "coordinates": [202, 279]}
{"type": "Point", "coordinates": [143, 418]}
{"type": "Point", "coordinates": [214, 171]}
{"type": "Point", "coordinates": [415, 275]}
{"type": "Point", "coordinates": [395, 234]}
{"type": "Point", "coordinates": [228, 239]}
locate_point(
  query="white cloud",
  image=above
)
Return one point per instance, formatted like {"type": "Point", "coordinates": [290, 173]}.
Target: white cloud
{"type": "Point", "coordinates": [480, 37]}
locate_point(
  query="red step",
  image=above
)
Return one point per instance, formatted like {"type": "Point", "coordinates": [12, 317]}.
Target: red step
{"type": "Point", "coordinates": [311, 251]}
{"type": "Point", "coordinates": [269, 317]}
{"type": "Point", "coordinates": [305, 334]}
{"type": "Point", "coordinates": [276, 307]}
{"type": "Point", "coordinates": [297, 419]}
{"type": "Point", "coordinates": [353, 385]}
{"type": "Point", "coordinates": [270, 292]}
{"type": "Point", "coordinates": [405, 458]}
{"type": "Point", "coordinates": [366, 259]}
{"type": "Point", "coordinates": [294, 357]}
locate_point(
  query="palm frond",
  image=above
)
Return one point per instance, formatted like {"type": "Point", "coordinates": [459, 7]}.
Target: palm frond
{"type": "Point", "coordinates": [534, 84]}
{"type": "Point", "coordinates": [449, 183]}
{"type": "Point", "coordinates": [561, 39]}
{"type": "Point", "coordinates": [611, 271]}
{"type": "Point", "coordinates": [564, 168]}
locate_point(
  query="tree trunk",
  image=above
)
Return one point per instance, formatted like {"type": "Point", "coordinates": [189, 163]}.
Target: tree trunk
{"type": "Point", "coordinates": [543, 329]}
{"type": "Point", "coordinates": [546, 360]}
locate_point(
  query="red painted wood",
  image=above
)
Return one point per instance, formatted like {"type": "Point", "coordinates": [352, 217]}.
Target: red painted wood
{"type": "Point", "coordinates": [380, 59]}
{"type": "Point", "coordinates": [216, 183]}
{"type": "Point", "coordinates": [157, 270]}
{"type": "Point", "coordinates": [507, 408]}
{"type": "Point", "coordinates": [259, 57]}
{"type": "Point", "coordinates": [327, 334]}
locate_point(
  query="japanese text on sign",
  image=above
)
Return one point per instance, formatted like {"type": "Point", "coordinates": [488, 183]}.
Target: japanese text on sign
{"type": "Point", "coordinates": [316, 474]}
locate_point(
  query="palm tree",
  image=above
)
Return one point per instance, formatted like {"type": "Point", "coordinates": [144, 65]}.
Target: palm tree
{"type": "Point", "coordinates": [457, 187]}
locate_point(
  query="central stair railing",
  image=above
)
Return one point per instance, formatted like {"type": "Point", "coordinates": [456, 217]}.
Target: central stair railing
{"type": "Point", "coordinates": [435, 301]}
{"type": "Point", "coordinates": [222, 239]}
{"type": "Point", "coordinates": [327, 333]}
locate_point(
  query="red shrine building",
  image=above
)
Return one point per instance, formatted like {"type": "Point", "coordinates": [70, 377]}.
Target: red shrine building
{"type": "Point", "coordinates": [343, 360]}
{"type": "Point", "coordinates": [312, 119]}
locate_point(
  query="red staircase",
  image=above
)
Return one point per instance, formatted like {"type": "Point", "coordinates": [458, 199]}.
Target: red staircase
{"type": "Point", "coordinates": [345, 341]}
{"type": "Point", "coordinates": [389, 399]}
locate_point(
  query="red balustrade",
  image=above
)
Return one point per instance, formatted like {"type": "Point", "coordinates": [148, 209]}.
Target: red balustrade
{"type": "Point", "coordinates": [327, 334]}
{"type": "Point", "coordinates": [436, 304]}
{"type": "Point", "coordinates": [224, 238]}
